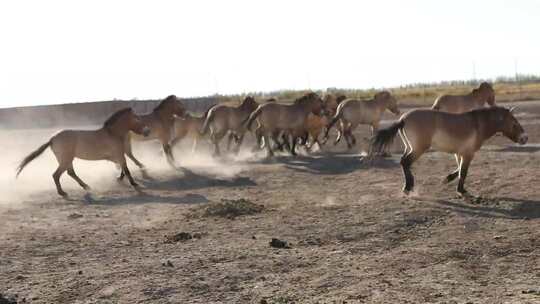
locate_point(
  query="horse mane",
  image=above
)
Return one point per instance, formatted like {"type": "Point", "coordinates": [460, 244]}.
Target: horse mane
{"type": "Point", "coordinates": [164, 101]}
{"type": "Point", "coordinates": [111, 120]}
{"type": "Point", "coordinates": [485, 85]}
{"type": "Point", "coordinates": [246, 100]}
{"type": "Point", "coordinates": [341, 98]}
{"type": "Point", "coordinates": [304, 98]}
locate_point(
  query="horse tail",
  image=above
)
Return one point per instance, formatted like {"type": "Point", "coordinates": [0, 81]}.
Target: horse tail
{"type": "Point", "coordinates": [32, 156]}
{"type": "Point", "coordinates": [437, 104]}
{"type": "Point", "coordinates": [384, 137]}
{"type": "Point", "coordinates": [207, 110]}
{"type": "Point", "coordinates": [249, 120]}
{"type": "Point", "coordinates": [209, 118]}
{"type": "Point", "coordinates": [336, 117]}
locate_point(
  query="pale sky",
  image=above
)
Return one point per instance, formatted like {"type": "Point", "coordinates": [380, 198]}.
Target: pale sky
{"type": "Point", "coordinates": [75, 51]}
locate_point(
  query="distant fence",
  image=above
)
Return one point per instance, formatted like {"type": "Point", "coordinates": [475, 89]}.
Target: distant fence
{"type": "Point", "coordinates": [80, 114]}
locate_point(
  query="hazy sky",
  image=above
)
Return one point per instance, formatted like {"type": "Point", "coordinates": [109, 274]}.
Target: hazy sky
{"type": "Point", "coordinates": [73, 51]}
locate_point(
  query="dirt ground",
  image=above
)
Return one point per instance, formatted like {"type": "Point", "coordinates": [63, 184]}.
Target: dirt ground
{"type": "Point", "coordinates": [353, 237]}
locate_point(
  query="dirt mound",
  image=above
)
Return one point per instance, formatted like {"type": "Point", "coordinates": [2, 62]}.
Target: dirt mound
{"type": "Point", "coordinates": [181, 237]}
{"type": "Point", "coordinates": [277, 243]}
{"type": "Point", "coordinates": [228, 208]}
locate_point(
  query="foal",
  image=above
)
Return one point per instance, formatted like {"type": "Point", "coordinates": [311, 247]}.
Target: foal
{"type": "Point", "coordinates": [460, 134]}
{"type": "Point", "coordinates": [352, 112]}
{"type": "Point", "coordinates": [161, 122]}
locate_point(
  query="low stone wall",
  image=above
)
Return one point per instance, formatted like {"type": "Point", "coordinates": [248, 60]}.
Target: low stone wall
{"type": "Point", "coordinates": [79, 114]}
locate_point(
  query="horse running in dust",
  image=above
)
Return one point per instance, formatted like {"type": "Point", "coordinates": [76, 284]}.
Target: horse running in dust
{"type": "Point", "coordinates": [464, 103]}
{"type": "Point", "coordinates": [316, 124]}
{"type": "Point", "coordinates": [460, 134]}
{"type": "Point", "coordinates": [352, 112]}
{"type": "Point", "coordinates": [161, 123]}
{"type": "Point", "coordinates": [106, 143]}
{"type": "Point", "coordinates": [222, 119]}
{"type": "Point", "coordinates": [275, 118]}
{"type": "Point", "coordinates": [189, 126]}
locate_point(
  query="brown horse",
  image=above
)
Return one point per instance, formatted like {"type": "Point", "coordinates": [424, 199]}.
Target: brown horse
{"type": "Point", "coordinates": [464, 103]}
{"type": "Point", "coordinates": [461, 134]}
{"type": "Point", "coordinates": [274, 118]}
{"type": "Point", "coordinates": [352, 112]}
{"type": "Point", "coordinates": [189, 125]}
{"type": "Point", "coordinates": [331, 103]}
{"type": "Point", "coordinates": [161, 122]}
{"type": "Point", "coordinates": [106, 143]}
{"type": "Point", "coordinates": [222, 119]}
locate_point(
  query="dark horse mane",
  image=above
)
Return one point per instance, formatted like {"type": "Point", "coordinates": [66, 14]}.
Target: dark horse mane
{"type": "Point", "coordinates": [305, 97]}
{"type": "Point", "coordinates": [111, 120]}
{"type": "Point", "coordinates": [246, 99]}
{"type": "Point", "coordinates": [162, 103]}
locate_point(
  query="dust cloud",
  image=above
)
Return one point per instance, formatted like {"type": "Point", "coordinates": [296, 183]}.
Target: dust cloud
{"type": "Point", "coordinates": [35, 183]}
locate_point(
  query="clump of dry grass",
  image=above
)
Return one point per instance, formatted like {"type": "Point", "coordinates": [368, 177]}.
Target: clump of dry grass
{"type": "Point", "coordinates": [228, 208]}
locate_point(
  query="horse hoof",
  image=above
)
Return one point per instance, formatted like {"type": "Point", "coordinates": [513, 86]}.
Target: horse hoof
{"type": "Point", "coordinates": [464, 194]}
{"type": "Point", "coordinates": [63, 194]}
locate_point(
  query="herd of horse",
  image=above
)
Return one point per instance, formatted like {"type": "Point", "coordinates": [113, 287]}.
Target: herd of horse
{"type": "Point", "coordinates": [456, 124]}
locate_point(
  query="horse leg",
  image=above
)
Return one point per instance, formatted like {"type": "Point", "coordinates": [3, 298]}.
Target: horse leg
{"type": "Point", "coordinates": [463, 169]}
{"type": "Point", "coordinates": [56, 177]}
{"type": "Point", "coordinates": [340, 129]}
{"type": "Point", "coordinates": [239, 143]}
{"type": "Point", "coordinates": [194, 147]}
{"type": "Point", "coordinates": [216, 138]}
{"type": "Point", "coordinates": [352, 137]}
{"type": "Point", "coordinates": [229, 140]}
{"type": "Point", "coordinates": [168, 153]}
{"type": "Point", "coordinates": [269, 151]}
{"type": "Point", "coordinates": [134, 160]}
{"type": "Point", "coordinates": [175, 141]}
{"type": "Point", "coordinates": [126, 172]}
{"type": "Point", "coordinates": [452, 176]}
{"type": "Point", "coordinates": [294, 142]}
{"type": "Point", "coordinates": [286, 142]}
{"type": "Point", "coordinates": [71, 172]}
{"type": "Point", "coordinates": [129, 153]}
{"type": "Point", "coordinates": [348, 139]}
{"type": "Point", "coordinates": [406, 162]}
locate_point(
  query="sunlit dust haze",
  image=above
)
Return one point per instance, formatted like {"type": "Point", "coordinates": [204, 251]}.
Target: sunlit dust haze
{"type": "Point", "coordinates": [35, 184]}
{"type": "Point", "coordinates": [73, 51]}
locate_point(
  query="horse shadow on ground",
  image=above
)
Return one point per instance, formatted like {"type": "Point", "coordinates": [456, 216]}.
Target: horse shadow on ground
{"type": "Point", "coordinates": [334, 164]}
{"type": "Point", "coordinates": [502, 207]}
{"type": "Point", "coordinates": [141, 197]}
{"type": "Point", "coordinates": [190, 180]}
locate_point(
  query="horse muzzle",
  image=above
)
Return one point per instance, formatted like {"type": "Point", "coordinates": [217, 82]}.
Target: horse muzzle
{"type": "Point", "coordinates": [523, 138]}
{"type": "Point", "coordinates": [146, 131]}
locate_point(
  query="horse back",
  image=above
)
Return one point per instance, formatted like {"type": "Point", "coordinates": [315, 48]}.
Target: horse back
{"type": "Point", "coordinates": [445, 132]}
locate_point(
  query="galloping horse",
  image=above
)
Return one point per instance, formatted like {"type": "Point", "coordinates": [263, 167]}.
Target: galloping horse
{"type": "Point", "coordinates": [189, 125]}
{"type": "Point", "coordinates": [106, 143]}
{"type": "Point", "coordinates": [161, 122]}
{"type": "Point", "coordinates": [464, 103]}
{"type": "Point", "coordinates": [461, 134]}
{"type": "Point", "coordinates": [352, 112]}
{"type": "Point", "coordinates": [223, 118]}
{"type": "Point", "coordinates": [274, 118]}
